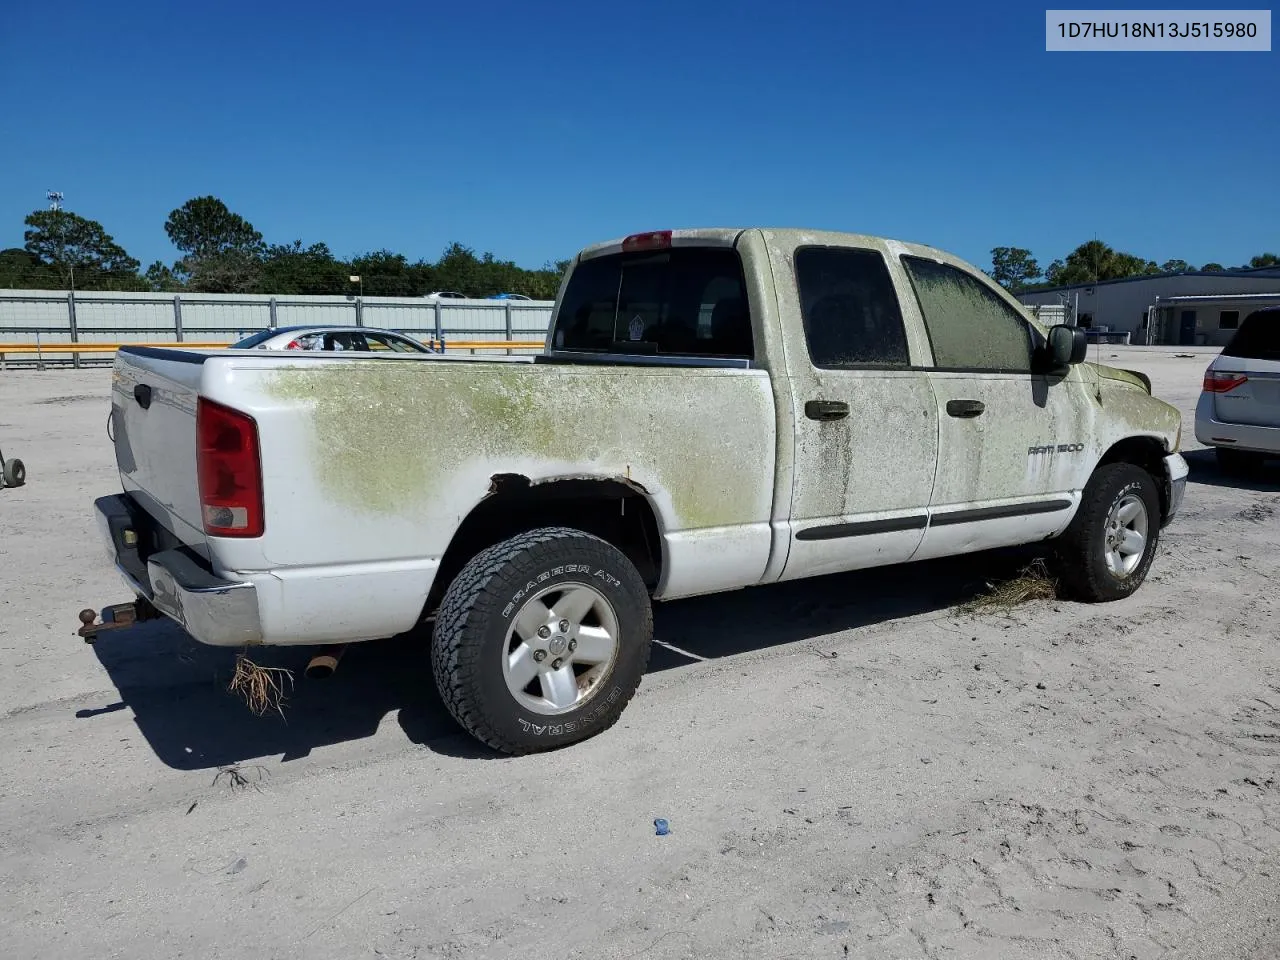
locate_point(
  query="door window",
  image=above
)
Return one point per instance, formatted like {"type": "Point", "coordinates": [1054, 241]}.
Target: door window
{"type": "Point", "coordinates": [970, 326]}
{"type": "Point", "coordinates": [850, 310]}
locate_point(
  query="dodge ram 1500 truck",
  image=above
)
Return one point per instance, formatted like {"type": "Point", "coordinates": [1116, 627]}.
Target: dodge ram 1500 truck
{"type": "Point", "coordinates": [713, 409]}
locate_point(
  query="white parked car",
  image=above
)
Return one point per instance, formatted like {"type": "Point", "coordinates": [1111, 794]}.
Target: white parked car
{"type": "Point", "coordinates": [1239, 409]}
{"type": "Point", "coordinates": [361, 339]}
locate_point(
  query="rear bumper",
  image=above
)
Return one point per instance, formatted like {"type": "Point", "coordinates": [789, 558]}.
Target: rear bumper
{"type": "Point", "coordinates": [1237, 436]}
{"type": "Point", "coordinates": [1175, 471]}
{"type": "Point", "coordinates": [177, 582]}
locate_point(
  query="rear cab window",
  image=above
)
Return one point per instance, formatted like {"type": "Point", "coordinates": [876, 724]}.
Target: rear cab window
{"type": "Point", "coordinates": [683, 301]}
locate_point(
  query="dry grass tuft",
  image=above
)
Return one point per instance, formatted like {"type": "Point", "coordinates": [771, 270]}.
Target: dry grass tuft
{"type": "Point", "coordinates": [261, 688]}
{"type": "Point", "coordinates": [1032, 583]}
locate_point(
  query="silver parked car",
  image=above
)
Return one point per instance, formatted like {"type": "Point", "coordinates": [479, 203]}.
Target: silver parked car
{"type": "Point", "coordinates": [364, 339]}
{"type": "Point", "coordinates": [1238, 413]}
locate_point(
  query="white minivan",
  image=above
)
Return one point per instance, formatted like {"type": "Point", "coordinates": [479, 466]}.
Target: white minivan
{"type": "Point", "coordinates": [1238, 413]}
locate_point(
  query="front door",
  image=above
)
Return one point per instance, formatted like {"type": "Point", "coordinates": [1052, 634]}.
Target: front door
{"type": "Point", "coordinates": [1014, 447]}
{"type": "Point", "coordinates": [1187, 330]}
{"type": "Point", "coordinates": [866, 422]}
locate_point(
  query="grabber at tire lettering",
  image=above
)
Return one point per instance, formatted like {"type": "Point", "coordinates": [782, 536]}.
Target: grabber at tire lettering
{"type": "Point", "coordinates": [541, 640]}
{"type": "Point", "coordinates": [1107, 550]}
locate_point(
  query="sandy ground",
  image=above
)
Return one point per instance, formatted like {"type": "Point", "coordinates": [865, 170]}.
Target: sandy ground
{"type": "Point", "coordinates": [850, 768]}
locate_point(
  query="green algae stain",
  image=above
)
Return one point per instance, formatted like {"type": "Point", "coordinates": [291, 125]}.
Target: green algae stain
{"type": "Point", "coordinates": [388, 436]}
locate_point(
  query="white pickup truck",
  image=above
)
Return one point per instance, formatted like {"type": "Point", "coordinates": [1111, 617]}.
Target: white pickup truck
{"type": "Point", "coordinates": [714, 409]}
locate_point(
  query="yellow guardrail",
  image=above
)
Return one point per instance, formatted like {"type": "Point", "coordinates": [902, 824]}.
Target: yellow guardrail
{"type": "Point", "coordinates": [41, 349]}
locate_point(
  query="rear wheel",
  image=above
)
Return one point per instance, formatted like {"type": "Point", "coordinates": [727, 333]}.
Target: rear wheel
{"type": "Point", "coordinates": [1108, 548]}
{"type": "Point", "coordinates": [1238, 462]}
{"type": "Point", "coordinates": [542, 640]}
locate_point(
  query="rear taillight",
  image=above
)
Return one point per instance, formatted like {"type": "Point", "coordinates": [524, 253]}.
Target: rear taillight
{"type": "Point", "coordinates": [1218, 382]}
{"type": "Point", "coordinates": [293, 345]}
{"type": "Point", "coordinates": [654, 240]}
{"type": "Point", "coordinates": [230, 471]}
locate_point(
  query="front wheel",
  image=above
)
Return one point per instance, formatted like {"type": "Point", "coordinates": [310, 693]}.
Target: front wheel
{"type": "Point", "coordinates": [542, 640]}
{"type": "Point", "coordinates": [1108, 548]}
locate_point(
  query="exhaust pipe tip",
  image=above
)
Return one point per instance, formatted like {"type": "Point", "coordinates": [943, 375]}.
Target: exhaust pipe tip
{"type": "Point", "coordinates": [323, 664]}
{"type": "Point", "coordinates": [320, 668]}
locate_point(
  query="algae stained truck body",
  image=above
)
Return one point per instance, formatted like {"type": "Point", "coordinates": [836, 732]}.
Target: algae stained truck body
{"type": "Point", "coordinates": [713, 409]}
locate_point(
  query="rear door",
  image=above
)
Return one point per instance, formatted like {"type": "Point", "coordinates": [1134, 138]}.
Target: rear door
{"type": "Point", "coordinates": [866, 425]}
{"type": "Point", "coordinates": [1013, 445]}
{"type": "Point", "coordinates": [1254, 354]}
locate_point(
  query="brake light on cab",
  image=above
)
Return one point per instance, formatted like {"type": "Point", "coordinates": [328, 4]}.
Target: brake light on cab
{"type": "Point", "coordinates": [229, 468]}
{"type": "Point", "coordinates": [654, 240]}
{"type": "Point", "coordinates": [1220, 382]}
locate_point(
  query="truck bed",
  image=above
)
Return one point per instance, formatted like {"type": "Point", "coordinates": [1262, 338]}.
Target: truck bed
{"type": "Point", "coordinates": [370, 463]}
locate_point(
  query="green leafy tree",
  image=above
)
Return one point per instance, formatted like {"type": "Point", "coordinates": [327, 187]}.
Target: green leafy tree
{"type": "Point", "coordinates": [205, 227]}
{"type": "Point", "coordinates": [223, 251]}
{"type": "Point", "coordinates": [295, 269]}
{"type": "Point", "coordinates": [387, 274]}
{"type": "Point", "coordinates": [233, 271]}
{"type": "Point", "coordinates": [459, 269]}
{"type": "Point", "coordinates": [1264, 260]}
{"type": "Point", "coordinates": [1212, 267]}
{"type": "Point", "coordinates": [1014, 268]}
{"type": "Point", "coordinates": [1176, 266]}
{"type": "Point", "coordinates": [79, 250]}
{"type": "Point", "coordinates": [20, 270]}
{"type": "Point", "coordinates": [1095, 260]}
{"type": "Point", "coordinates": [162, 279]}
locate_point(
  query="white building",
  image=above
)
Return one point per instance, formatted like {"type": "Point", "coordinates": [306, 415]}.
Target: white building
{"type": "Point", "coordinates": [1129, 306]}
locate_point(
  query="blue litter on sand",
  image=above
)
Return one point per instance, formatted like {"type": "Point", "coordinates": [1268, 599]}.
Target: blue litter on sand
{"type": "Point", "coordinates": [661, 827]}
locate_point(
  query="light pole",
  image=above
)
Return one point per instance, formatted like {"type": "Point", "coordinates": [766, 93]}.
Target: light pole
{"type": "Point", "coordinates": [355, 279]}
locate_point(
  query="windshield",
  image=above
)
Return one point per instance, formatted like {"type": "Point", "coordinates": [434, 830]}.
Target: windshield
{"type": "Point", "coordinates": [690, 301]}
{"type": "Point", "coordinates": [1258, 337]}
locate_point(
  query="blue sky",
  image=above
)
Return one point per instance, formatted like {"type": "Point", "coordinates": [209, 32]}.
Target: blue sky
{"type": "Point", "coordinates": [533, 129]}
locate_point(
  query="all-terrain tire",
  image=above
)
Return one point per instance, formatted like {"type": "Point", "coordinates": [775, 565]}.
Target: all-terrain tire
{"type": "Point", "coordinates": [1081, 552]}
{"type": "Point", "coordinates": [478, 612]}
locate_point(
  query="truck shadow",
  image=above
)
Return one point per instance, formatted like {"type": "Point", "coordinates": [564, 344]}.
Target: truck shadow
{"type": "Point", "coordinates": [177, 688]}
{"type": "Point", "coordinates": [1205, 471]}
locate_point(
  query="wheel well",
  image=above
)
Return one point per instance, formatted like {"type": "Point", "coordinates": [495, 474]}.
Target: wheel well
{"type": "Point", "coordinates": [617, 511]}
{"type": "Point", "coordinates": [1145, 452]}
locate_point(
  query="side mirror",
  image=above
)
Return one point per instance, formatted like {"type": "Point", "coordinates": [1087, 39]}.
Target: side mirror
{"type": "Point", "coordinates": [1067, 345]}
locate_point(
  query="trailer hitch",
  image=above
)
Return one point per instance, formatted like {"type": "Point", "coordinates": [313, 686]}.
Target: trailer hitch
{"type": "Point", "coordinates": [115, 617]}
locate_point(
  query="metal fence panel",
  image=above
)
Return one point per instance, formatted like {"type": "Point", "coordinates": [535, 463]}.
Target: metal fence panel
{"type": "Point", "coordinates": [108, 317]}
{"type": "Point", "coordinates": [108, 320]}
{"type": "Point", "coordinates": [213, 321]}
{"type": "Point", "coordinates": [291, 313]}
{"type": "Point", "coordinates": [26, 312]}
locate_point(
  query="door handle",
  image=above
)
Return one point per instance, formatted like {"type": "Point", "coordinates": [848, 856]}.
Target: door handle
{"type": "Point", "coordinates": [965, 408]}
{"type": "Point", "coordinates": [826, 409]}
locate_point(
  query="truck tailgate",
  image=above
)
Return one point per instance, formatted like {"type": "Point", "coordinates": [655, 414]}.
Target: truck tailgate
{"type": "Point", "coordinates": [153, 419]}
